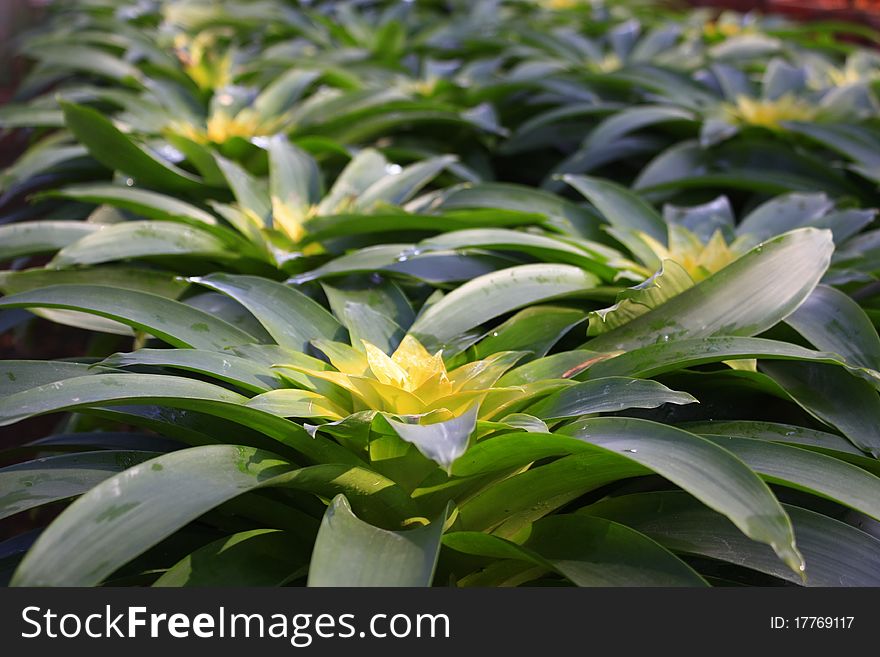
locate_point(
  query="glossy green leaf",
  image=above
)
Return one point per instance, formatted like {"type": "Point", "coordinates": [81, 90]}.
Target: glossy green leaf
{"type": "Point", "coordinates": [745, 298]}
{"type": "Point", "coordinates": [224, 366]}
{"type": "Point", "coordinates": [624, 210]}
{"type": "Point", "coordinates": [33, 483]}
{"type": "Point", "coordinates": [114, 149]}
{"type": "Point", "coordinates": [35, 237]}
{"type": "Point", "coordinates": [606, 395]}
{"type": "Point", "coordinates": [665, 357]}
{"type": "Point", "coordinates": [832, 321]}
{"type": "Point", "coordinates": [535, 330]}
{"type": "Point", "coordinates": [290, 317]}
{"type": "Point", "coordinates": [151, 205]}
{"type": "Point", "coordinates": [175, 323]}
{"type": "Point", "coordinates": [442, 442]}
{"type": "Point", "coordinates": [260, 557]}
{"type": "Point", "coordinates": [713, 475]}
{"type": "Point", "coordinates": [123, 516]}
{"type": "Point", "coordinates": [834, 397]}
{"type": "Point", "coordinates": [815, 473]}
{"type": "Point", "coordinates": [139, 239]}
{"type": "Point", "coordinates": [835, 553]}
{"type": "Point", "coordinates": [167, 391]}
{"type": "Point", "coordinates": [589, 256]}
{"type": "Point", "coordinates": [586, 553]}
{"type": "Point", "coordinates": [491, 295]}
{"type": "Point", "coordinates": [18, 375]}
{"type": "Point", "coordinates": [510, 504]}
{"type": "Point", "coordinates": [351, 552]}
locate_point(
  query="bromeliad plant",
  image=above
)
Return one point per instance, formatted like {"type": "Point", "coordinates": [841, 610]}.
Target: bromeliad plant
{"type": "Point", "coordinates": [339, 337]}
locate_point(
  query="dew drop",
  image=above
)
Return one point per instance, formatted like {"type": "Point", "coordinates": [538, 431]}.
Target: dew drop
{"type": "Point", "coordinates": [393, 169]}
{"type": "Point", "coordinates": [129, 182]}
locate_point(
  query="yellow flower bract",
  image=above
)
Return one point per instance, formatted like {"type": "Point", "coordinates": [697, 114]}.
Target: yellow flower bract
{"type": "Point", "coordinates": [411, 381]}
{"type": "Point", "coordinates": [697, 259]}
{"type": "Point", "coordinates": [770, 113]}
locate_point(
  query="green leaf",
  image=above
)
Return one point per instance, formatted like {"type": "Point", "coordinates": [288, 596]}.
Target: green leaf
{"type": "Point", "coordinates": [295, 179]}
{"type": "Point", "coordinates": [139, 239]}
{"type": "Point", "coordinates": [711, 474]}
{"type": "Point", "coordinates": [351, 552]}
{"type": "Point", "coordinates": [832, 321]}
{"type": "Point", "coordinates": [34, 483]}
{"type": "Point", "coordinates": [260, 557]}
{"type": "Point", "coordinates": [398, 259]}
{"type": "Point", "coordinates": [123, 516]}
{"type": "Point", "coordinates": [364, 169]}
{"type": "Point", "coordinates": [606, 395]}
{"type": "Point", "coordinates": [176, 323]}
{"type": "Point", "coordinates": [815, 473]}
{"type": "Point", "coordinates": [850, 140]}
{"type": "Point", "coordinates": [34, 237]}
{"type": "Point", "coordinates": [586, 553]}
{"type": "Point", "coordinates": [152, 205]}
{"type": "Point", "coordinates": [563, 365]}
{"type": "Point", "coordinates": [669, 281]}
{"type": "Point", "coordinates": [629, 120]}
{"type": "Point", "coordinates": [560, 213]}
{"type": "Point", "coordinates": [510, 504]}
{"type": "Point", "coordinates": [395, 188]}
{"type": "Point", "coordinates": [665, 357]}
{"type": "Point", "coordinates": [494, 294]}
{"type": "Point", "coordinates": [442, 442]}
{"type": "Point", "coordinates": [784, 213]}
{"type": "Point", "coordinates": [164, 284]}
{"type": "Point", "coordinates": [88, 60]}
{"type": "Point", "coordinates": [834, 397]}
{"type": "Point", "coordinates": [169, 391]}
{"type": "Point", "coordinates": [283, 92]}
{"type": "Point", "coordinates": [835, 553]}
{"type": "Point", "coordinates": [378, 313]}
{"type": "Point", "coordinates": [822, 442]}
{"type": "Point", "coordinates": [514, 450]}
{"type": "Point", "coordinates": [744, 298]}
{"type": "Point", "coordinates": [241, 372]}
{"type": "Point", "coordinates": [117, 151]}
{"type": "Point", "coordinates": [589, 256]}
{"type": "Point", "coordinates": [289, 402]}
{"type": "Point", "coordinates": [18, 375]}
{"type": "Point", "coordinates": [624, 210]}
{"type": "Point", "coordinates": [535, 330]}
{"type": "Point", "coordinates": [290, 317]}
{"type": "Point", "coordinates": [251, 193]}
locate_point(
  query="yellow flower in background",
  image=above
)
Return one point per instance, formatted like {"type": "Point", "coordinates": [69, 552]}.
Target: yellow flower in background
{"type": "Point", "coordinates": [291, 220]}
{"type": "Point", "coordinates": [770, 113]}
{"type": "Point", "coordinates": [207, 67]}
{"type": "Point", "coordinates": [713, 29]}
{"type": "Point", "coordinates": [609, 63]}
{"type": "Point", "coordinates": [559, 4]}
{"type": "Point", "coordinates": [699, 260]}
{"type": "Point", "coordinates": [221, 127]}
{"type": "Point", "coordinates": [411, 381]}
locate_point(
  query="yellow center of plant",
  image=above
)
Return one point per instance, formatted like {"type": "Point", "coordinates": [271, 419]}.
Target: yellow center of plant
{"type": "Point", "coordinates": [411, 381]}
{"type": "Point", "coordinates": [221, 127]}
{"type": "Point", "coordinates": [770, 113]}
{"type": "Point", "coordinates": [697, 259]}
